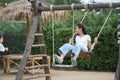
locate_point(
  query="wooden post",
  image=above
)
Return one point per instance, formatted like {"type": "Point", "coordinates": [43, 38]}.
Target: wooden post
{"type": "Point", "coordinates": [29, 43]}
{"type": "Point", "coordinates": [33, 64]}
{"type": "Point", "coordinates": [28, 26]}
{"type": "Point", "coordinates": [117, 74]}
{"type": "Point", "coordinates": [4, 64]}
{"type": "Point", "coordinates": [8, 65]}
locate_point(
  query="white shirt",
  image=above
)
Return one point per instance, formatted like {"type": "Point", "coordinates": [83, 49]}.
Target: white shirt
{"type": "Point", "coordinates": [83, 41]}
{"type": "Point", "coordinates": [2, 48]}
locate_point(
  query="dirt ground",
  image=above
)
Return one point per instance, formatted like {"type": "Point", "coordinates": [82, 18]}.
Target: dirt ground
{"type": "Point", "coordinates": [67, 75]}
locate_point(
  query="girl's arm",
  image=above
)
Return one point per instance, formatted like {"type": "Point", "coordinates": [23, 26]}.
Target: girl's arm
{"type": "Point", "coordinates": [71, 41]}
{"type": "Point", "coordinates": [91, 46]}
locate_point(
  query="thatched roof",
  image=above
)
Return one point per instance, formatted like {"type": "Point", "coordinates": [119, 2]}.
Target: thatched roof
{"type": "Point", "coordinates": [2, 6]}
{"type": "Point", "coordinates": [19, 9]}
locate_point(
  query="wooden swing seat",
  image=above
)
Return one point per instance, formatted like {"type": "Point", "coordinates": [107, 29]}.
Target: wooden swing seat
{"type": "Point", "coordinates": [62, 66]}
{"type": "Point", "coordinates": [81, 55]}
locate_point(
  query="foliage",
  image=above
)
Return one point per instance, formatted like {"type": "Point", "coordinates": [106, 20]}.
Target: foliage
{"type": "Point", "coordinates": [14, 37]}
{"type": "Point", "coordinates": [105, 54]}
{"type": "Point", "coordinates": [6, 1]}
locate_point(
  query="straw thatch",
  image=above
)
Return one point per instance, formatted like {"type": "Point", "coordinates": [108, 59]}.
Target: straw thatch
{"type": "Point", "coordinates": [2, 6]}
{"type": "Point", "coordinates": [19, 10]}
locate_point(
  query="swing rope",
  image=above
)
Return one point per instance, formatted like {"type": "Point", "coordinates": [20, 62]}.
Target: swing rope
{"type": "Point", "coordinates": [104, 23]}
{"type": "Point", "coordinates": [93, 45]}
{"type": "Point", "coordinates": [53, 34]}
{"type": "Point", "coordinates": [84, 17]}
{"type": "Point", "coordinates": [73, 18]}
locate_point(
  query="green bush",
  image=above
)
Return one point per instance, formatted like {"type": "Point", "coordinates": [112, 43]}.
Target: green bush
{"type": "Point", "coordinates": [104, 56]}
{"type": "Point", "coordinates": [14, 37]}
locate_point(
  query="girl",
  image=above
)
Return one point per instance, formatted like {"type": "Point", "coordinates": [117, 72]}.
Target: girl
{"type": "Point", "coordinates": [2, 48]}
{"type": "Point", "coordinates": [83, 43]}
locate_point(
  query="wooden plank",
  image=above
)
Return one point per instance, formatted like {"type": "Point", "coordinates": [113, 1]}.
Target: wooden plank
{"type": "Point", "coordinates": [37, 76]}
{"type": "Point", "coordinates": [38, 34]}
{"type": "Point", "coordinates": [34, 67]}
{"type": "Point", "coordinates": [38, 45]}
{"type": "Point", "coordinates": [81, 54]}
{"type": "Point", "coordinates": [37, 56]}
{"type": "Point", "coordinates": [63, 66]}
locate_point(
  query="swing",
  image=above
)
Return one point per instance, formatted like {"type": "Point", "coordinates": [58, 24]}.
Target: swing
{"type": "Point", "coordinates": [88, 54]}
{"type": "Point", "coordinates": [81, 54]}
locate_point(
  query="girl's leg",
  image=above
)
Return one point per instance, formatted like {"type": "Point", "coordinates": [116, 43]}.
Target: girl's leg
{"type": "Point", "coordinates": [75, 53]}
{"type": "Point", "coordinates": [63, 52]}
{"type": "Point", "coordinates": [65, 49]}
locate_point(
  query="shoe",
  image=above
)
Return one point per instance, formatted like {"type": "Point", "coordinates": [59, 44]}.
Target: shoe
{"type": "Point", "coordinates": [74, 63]}
{"type": "Point", "coordinates": [58, 59]}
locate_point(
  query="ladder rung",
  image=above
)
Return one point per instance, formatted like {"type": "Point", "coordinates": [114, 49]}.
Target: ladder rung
{"type": "Point", "coordinates": [38, 34]}
{"type": "Point", "coordinates": [34, 67]}
{"type": "Point", "coordinates": [37, 76]}
{"type": "Point", "coordinates": [40, 55]}
{"type": "Point", "coordinates": [38, 45]}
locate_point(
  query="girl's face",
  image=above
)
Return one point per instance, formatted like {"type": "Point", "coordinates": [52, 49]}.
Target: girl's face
{"type": "Point", "coordinates": [78, 30]}
{"type": "Point", "coordinates": [1, 40]}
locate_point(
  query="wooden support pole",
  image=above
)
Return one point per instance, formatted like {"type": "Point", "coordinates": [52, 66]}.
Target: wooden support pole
{"type": "Point", "coordinates": [28, 26]}
{"type": "Point", "coordinates": [79, 6]}
{"type": "Point", "coordinates": [29, 43]}
{"type": "Point", "coordinates": [117, 74]}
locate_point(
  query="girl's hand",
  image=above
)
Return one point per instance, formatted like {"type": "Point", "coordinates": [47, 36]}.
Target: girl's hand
{"type": "Point", "coordinates": [70, 40]}
{"type": "Point", "coordinates": [96, 40]}
{"type": "Point", "coordinates": [6, 49]}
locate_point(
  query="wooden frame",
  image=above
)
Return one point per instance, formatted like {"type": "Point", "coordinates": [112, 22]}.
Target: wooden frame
{"type": "Point", "coordinates": [37, 9]}
{"type": "Point", "coordinates": [33, 61]}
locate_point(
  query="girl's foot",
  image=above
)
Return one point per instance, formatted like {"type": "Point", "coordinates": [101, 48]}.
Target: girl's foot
{"type": "Point", "coordinates": [58, 59]}
{"type": "Point", "coordinates": [73, 60]}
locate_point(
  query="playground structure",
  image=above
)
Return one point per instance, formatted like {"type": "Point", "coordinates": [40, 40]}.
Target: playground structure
{"type": "Point", "coordinates": [38, 9]}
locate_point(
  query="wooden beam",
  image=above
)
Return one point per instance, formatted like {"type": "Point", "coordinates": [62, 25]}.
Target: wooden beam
{"type": "Point", "coordinates": [78, 6]}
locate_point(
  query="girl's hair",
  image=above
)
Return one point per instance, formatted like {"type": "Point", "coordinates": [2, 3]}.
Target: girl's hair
{"type": "Point", "coordinates": [1, 36]}
{"type": "Point", "coordinates": [83, 28]}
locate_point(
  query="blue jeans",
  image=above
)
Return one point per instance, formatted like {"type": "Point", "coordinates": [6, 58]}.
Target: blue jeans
{"type": "Point", "coordinates": [75, 49]}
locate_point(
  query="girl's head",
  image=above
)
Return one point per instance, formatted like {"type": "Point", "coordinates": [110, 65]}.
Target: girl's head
{"type": "Point", "coordinates": [1, 38]}
{"type": "Point", "coordinates": [80, 29]}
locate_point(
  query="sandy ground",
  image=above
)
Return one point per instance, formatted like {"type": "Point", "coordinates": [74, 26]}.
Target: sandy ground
{"type": "Point", "coordinates": [67, 75]}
